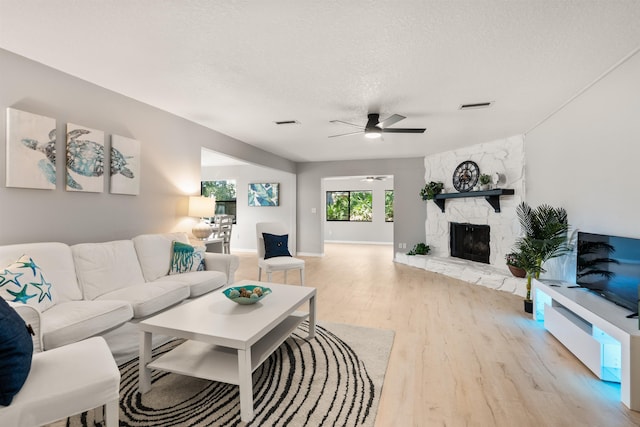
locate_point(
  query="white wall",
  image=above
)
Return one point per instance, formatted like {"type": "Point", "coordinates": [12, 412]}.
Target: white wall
{"type": "Point", "coordinates": [586, 157]}
{"type": "Point", "coordinates": [376, 231]}
{"type": "Point", "coordinates": [244, 230]}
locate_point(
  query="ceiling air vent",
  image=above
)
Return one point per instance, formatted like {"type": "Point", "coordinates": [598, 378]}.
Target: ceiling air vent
{"type": "Point", "coordinates": [287, 122]}
{"type": "Point", "coordinates": [475, 105]}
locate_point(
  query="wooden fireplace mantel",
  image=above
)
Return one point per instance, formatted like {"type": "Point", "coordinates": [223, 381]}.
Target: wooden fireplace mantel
{"type": "Point", "coordinates": [491, 196]}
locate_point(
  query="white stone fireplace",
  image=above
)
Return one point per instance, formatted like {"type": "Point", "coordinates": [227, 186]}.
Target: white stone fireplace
{"type": "Point", "coordinates": [506, 157]}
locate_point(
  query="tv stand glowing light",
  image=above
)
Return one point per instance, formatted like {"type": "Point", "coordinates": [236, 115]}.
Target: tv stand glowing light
{"type": "Point", "coordinates": [595, 330]}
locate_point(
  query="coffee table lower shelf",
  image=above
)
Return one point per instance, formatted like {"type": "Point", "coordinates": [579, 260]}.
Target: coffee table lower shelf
{"type": "Point", "coordinates": [217, 363]}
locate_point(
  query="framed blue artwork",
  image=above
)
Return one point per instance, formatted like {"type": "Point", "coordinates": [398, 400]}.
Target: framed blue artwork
{"type": "Point", "coordinates": [264, 194]}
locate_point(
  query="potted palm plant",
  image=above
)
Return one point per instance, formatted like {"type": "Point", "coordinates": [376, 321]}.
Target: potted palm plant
{"type": "Point", "coordinates": [545, 237]}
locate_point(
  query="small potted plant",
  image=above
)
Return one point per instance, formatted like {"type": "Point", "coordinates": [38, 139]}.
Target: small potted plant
{"type": "Point", "coordinates": [419, 249]}
{"type": "Point", "coordinates": [514, 262]}
{"type": "Point", "coordinates": [485, 181]}
{"type": "Point", "coordinates": [431, 189]}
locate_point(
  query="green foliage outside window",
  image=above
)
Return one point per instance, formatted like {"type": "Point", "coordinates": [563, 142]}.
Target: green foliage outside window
{"type": "Point", "coordinates": [221, 190]}
{"type": "Point", "coordinates": [337, 206]}
{"type": "Point", "coordinates": [350, 206]}
{"type": "Point", "coordinates": [361, 206]}
{"type": "Point", "coordinates": [388, 205]}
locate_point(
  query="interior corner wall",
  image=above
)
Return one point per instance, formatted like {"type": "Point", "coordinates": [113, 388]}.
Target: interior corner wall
{"type": "Point", "coordinates": [409, 212]}
{"type": "Point", "coordinates": [243, 234]}
{"type": "Point", "coordinates": [585, 157]}
{"type": "Point", "coordinates": [170, 160]}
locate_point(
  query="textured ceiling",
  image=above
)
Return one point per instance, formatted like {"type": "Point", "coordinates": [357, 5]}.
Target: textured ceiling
{"type": "Point", "coordinates": [238, 66]}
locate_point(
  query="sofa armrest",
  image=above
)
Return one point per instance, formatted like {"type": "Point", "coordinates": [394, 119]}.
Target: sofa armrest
{"type": "Point", "coordinates": [226, 263]}
{"type": "Point", "coordinates": [31, 316]}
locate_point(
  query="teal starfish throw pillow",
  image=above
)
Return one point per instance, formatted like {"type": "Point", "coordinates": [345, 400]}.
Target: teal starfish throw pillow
{"type": "Point", "coordinates": [186, 258]}
{"type": "Point", "coordinates": [24, 282]}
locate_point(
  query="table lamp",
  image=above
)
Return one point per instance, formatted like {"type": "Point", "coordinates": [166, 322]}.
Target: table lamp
{"type": "Point", "coordinates": [202, 207]}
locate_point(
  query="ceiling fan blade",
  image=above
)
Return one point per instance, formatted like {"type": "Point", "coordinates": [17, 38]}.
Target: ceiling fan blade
{"type": "Point", "coordinates": [346, 123]}
{"type": "Point", "coordinates": [346, 134]}
{"type": "Point", "coordinates": [401, 130]}
{"type": "Point", "coordinates": [390, 120]}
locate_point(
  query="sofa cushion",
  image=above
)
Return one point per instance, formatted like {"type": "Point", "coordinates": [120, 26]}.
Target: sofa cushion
{"type": "Point", "coordinates": [16, 349]}
{"type": "Point", "coordinates": [106, 267]}
{"type": "Point", "coordinates": [154, 253]}
{"type": "Point", "coordinates": [199, 282]}
{"type": "Point", "coordinates": [24, 282]}
{"type": "Point", "coordinates": [72, 321]}
{"type": "Point", "coordinates": [149, 298]}
{"type": "Point", "coordinates": [186, 258]}
{"type": "Point", "coordinates": [55, 260]}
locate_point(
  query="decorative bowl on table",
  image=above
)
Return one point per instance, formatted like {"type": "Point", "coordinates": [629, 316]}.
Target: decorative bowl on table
{"type": "Point", "coordinates": [247, 294]}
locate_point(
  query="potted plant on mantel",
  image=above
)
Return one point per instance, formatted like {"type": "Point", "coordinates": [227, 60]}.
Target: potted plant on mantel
{"type": "Point", "coordinates": [430, 190]}
{"type": "Point", "coordinates": [545, 237]}
{"type": "Point", "coordinates": [485, 181]}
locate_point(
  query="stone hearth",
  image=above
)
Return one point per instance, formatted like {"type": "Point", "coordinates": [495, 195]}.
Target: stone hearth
{"type": "Point", "coordinates": [469, 271]}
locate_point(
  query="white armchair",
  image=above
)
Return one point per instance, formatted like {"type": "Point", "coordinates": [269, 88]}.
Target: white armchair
{"type": "Point", "coordinates": [277, 263]}
{"type": "Point", "coordinates": [64, 381]}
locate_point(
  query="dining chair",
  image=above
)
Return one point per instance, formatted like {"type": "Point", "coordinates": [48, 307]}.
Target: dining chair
{"type": "Point", "coordinates": [275, 256]}
{"type": "Point", "coordinates": [223, 225]}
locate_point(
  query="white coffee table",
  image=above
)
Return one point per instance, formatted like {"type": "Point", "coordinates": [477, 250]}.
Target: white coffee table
{"type": "Point", "coordinates": [226, 341]}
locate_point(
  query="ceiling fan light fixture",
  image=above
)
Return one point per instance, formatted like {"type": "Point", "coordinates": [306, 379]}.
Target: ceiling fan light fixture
{"type": "Point", "coordinates": [372, 133]}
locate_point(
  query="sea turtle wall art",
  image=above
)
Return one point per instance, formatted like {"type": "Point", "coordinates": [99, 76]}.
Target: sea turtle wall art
{"type": "Point", "coordinates": [31, 150]}
{"type": "Point", "coordinates": [85, 159]}
{"type": "Point", "coordinates": [125, 165]}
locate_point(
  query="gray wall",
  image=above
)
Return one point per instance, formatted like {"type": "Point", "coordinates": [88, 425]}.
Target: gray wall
{"type": "Point", "coordinates": [170, 168]}
{"type": "Point", "coordinates": [410, 213]}
{"type": "Point", "coordinates": [586, 157]}
{"type": "Point", "coordinates": [377, 231]}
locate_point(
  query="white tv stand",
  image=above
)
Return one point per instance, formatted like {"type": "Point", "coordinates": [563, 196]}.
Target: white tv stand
{"type": "Point", "coordinates": [595, 330]}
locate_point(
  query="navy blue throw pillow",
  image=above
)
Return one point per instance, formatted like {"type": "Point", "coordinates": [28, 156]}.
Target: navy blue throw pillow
{"type": "Point", "coordinates": [275, 245]}
{"type": "Point", "coordinates": [16, 349]}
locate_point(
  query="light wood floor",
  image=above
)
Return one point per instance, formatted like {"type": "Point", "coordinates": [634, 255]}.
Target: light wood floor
{"type": "Point", "coordinates": [463, 355]}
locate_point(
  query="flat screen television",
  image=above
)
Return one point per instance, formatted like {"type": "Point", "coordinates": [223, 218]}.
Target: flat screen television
{"type": "Point", "coordinates": [610, 267]}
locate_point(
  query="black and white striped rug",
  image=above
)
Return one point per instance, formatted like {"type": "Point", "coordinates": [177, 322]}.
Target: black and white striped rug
{"type": "Point", "coordinates": [333, 380]}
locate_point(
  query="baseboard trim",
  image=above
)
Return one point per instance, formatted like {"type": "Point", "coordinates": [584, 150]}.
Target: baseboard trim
{"type": "Point", "coordinates": [353, 242]}
{"type": "Point", "coordinates": [310, 254]}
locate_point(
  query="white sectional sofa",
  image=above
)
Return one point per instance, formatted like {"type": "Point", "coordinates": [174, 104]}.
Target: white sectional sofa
{"type": "Point", "coordinates": [105, 288]}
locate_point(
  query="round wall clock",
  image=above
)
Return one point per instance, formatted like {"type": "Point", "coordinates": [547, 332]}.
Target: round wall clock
{"type": "Point", "coordinates": [465, 177]}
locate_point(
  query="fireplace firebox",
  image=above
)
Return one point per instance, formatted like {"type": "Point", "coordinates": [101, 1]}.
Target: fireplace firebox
{"type": "Point", "coordinates": [470, 241]}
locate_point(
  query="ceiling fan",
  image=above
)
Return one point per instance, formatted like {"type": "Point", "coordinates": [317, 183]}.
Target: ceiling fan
{"type": "Point", "coordinates": [375, 128]}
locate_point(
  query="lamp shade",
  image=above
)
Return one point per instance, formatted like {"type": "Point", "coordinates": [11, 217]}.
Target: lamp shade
{"type": "Point", "coordinates": [202, 207]}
